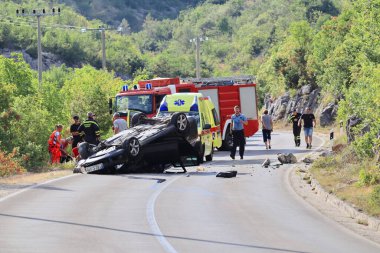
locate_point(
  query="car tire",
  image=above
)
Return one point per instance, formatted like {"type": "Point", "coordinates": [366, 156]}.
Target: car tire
{"type": "Point", "coordinates": [84, 150]}
{"type": "Point", "coordinates": [180, 121]}
{"type": "Point", "coordinates": [132, 146]}
{"type": "Point", "coordinates": [137, 118]}
{"type": "Point", "coordinates": [209, 157]}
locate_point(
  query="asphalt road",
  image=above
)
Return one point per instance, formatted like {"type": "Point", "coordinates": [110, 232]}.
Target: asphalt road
{"type": "Point", "coordinates": [196, 212]}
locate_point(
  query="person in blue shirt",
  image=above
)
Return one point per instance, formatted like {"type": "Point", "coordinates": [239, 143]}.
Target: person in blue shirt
{"type": "Point", "coordinates": [238, 121]}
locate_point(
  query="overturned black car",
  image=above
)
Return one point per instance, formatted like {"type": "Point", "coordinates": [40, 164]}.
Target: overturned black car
{"type": "Point", "coordinates": [150, 143]}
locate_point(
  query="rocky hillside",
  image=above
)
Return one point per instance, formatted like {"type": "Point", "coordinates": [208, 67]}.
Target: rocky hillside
{"type": "Point", "coordinates": [281, 107]}
{"type": "Point", "coordinates": [113, 12]}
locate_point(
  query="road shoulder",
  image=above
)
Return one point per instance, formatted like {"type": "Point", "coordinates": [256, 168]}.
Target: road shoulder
{"type": "Point", "coordinates": [12, 184]}
{"type": "Point", "coordinates": [310, 190]}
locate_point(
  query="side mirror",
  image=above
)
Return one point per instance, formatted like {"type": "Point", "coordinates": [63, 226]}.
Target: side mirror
{"type": "Point", "coordinates": [206, 127]}
{"type": "Point", "coordinates": [110, 105]}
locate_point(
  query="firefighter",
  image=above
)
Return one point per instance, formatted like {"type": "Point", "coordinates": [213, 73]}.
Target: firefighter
{"type": "Point", "coordinates": [89, 130]}
{"type": "Point", "coordinates": [295, 118]}
{"type": "Point", "coordinates": [55, 144]}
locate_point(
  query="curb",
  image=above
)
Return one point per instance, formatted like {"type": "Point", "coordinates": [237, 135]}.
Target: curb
{"type": "Point", "coordinates": [309, 189]}
{"type": "Point", "coordinates": [353, 213]}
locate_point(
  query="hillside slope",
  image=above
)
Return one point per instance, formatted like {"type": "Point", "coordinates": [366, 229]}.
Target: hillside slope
{"type": "Point", "coordinates": [113, 12]}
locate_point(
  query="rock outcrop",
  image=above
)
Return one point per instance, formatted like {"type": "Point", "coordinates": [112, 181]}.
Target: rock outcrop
{"type": "Point", "coordinates": [281, 107]}
{"type": "Point", "coordinates": [48, 59]}
{"type": "Point", "coordinates": [328, 114]}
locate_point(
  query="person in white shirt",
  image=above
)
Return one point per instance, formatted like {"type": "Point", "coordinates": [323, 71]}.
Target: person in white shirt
{"type": "Point", "coordinates": [267, 126]}
{"type": "Point", "coordinates": [119, 124]}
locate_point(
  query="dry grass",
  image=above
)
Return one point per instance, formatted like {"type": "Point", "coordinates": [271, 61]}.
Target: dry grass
{"type": "Point", "coordinates": [32, 178]}
{"type": "Point", "coordinates": [340, 175]}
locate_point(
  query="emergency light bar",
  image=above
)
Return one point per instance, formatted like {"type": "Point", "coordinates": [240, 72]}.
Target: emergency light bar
{"type": "Point", "coordinates": [125, 88]}
{"type": "Point", "coordinates": [148, 86]}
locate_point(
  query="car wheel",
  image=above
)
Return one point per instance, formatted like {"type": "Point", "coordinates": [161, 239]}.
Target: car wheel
{"type": "Point", "coordinates": [137, 118]}
{"type": "Point", "coordinates": [84, 150]}
{"type": "Point", "coordinates": [179, 120]}
{"type": "Point", "coordinates": [209, 157]}
{"type": "Point", "coordinates": [132, 146]}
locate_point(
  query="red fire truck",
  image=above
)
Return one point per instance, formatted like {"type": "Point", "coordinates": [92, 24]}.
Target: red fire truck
{"type": "Point", "coordinates": [225, 93]}
{"type": "Point", "coordinates": [147, 95]}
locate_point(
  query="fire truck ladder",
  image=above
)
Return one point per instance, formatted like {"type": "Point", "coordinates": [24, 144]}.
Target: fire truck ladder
{"type": "Point", "coordinates": [221, 81]}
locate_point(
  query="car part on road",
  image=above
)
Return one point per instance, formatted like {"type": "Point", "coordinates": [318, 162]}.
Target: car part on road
{"type": "Point", "coordinates": [227, 174]}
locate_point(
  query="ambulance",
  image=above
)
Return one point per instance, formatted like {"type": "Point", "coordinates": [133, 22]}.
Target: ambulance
{"type": "Point", "coordinates": [203, 110]}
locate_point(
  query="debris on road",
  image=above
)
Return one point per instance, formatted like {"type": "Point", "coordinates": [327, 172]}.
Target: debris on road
{"type": "Point", "coordinates": [286, 158]}
{"type": "Point", "coordinates": [266, 163]}
{"type": "Point", "coordinates": [227, 174]}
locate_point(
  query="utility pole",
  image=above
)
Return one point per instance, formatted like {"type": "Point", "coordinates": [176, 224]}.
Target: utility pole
{"type": "Point", "coordinates": [39, 50]}
{"type": "Point", "coordinates": [38, 14]}
{"type": "Point", "coordinates": [103, 49]}
{"type": "Point", "coordinates": [102, 30]}
{"type": "Point", "coordinates": [197, 41]}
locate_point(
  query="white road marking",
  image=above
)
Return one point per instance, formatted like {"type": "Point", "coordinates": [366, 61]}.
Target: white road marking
{"type": "Point", "coordinates": [34, 186]}
{"type": "Point", "coordinates": [152, 219]}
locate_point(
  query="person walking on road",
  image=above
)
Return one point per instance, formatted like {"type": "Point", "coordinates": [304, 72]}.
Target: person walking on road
{"type": "Point", "coordinates": [309, 123]}
{"type": "Point", "coordinates": [90, 130]}
{"type": "Point", "coordinates": [238, 138]}
{"type": "Point", "coordinates": [119, 124]}
{"type": "Point", "coordinates": [74, 132]}
{"type": "Point", "coordinates": [54, 143]}
{"type": "Point", "coordinates": [294, 118]}
{"type": "Point", "coordinates": [267, 128]}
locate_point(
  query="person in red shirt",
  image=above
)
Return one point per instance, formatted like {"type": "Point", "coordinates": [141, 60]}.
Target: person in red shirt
{"type": "Point", "coordinates": [65, 156]}
{"type": "Point", "coordinates": [54, 143]}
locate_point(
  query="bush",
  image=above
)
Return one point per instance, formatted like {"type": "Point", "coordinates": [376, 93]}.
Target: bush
{"type": "Point", "coordinates": [368, 177]}
{"type": "Point", "coordinates": [34, 156]}
{"type": "Point", "coordinates": [9, 164]}
{"type": "Point", "coordinates": [374, 199]}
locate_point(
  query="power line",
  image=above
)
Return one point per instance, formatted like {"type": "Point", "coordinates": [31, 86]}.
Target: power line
{"type": "Point", "coordinates": [38, 14]}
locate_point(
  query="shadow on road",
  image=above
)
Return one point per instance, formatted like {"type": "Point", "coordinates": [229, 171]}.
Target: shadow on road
{"type": "Point", "coordinates": [151, 234]}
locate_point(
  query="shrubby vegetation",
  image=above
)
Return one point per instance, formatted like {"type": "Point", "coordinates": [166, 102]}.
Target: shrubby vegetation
{"type": "Point", "coordinates": [28, 118]}
{"type": "Point", "coordinates": [332, 44]}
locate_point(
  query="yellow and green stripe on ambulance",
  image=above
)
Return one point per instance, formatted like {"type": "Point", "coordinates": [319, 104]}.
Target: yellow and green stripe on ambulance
{"type": "Point", "coordinates": [201, 108]}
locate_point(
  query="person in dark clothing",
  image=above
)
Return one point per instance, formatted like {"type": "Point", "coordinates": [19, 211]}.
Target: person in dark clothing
{"type": "Point", "coordinates": [294, 118]}
{"type": "Point", "coordinates": [74, 132]}
{"type": "Point", "coordinates": [238, 138]}
{"type": "Point", "coordinates": [90, 130]}
{"type": "Point", "coordinates": [309, 123]}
